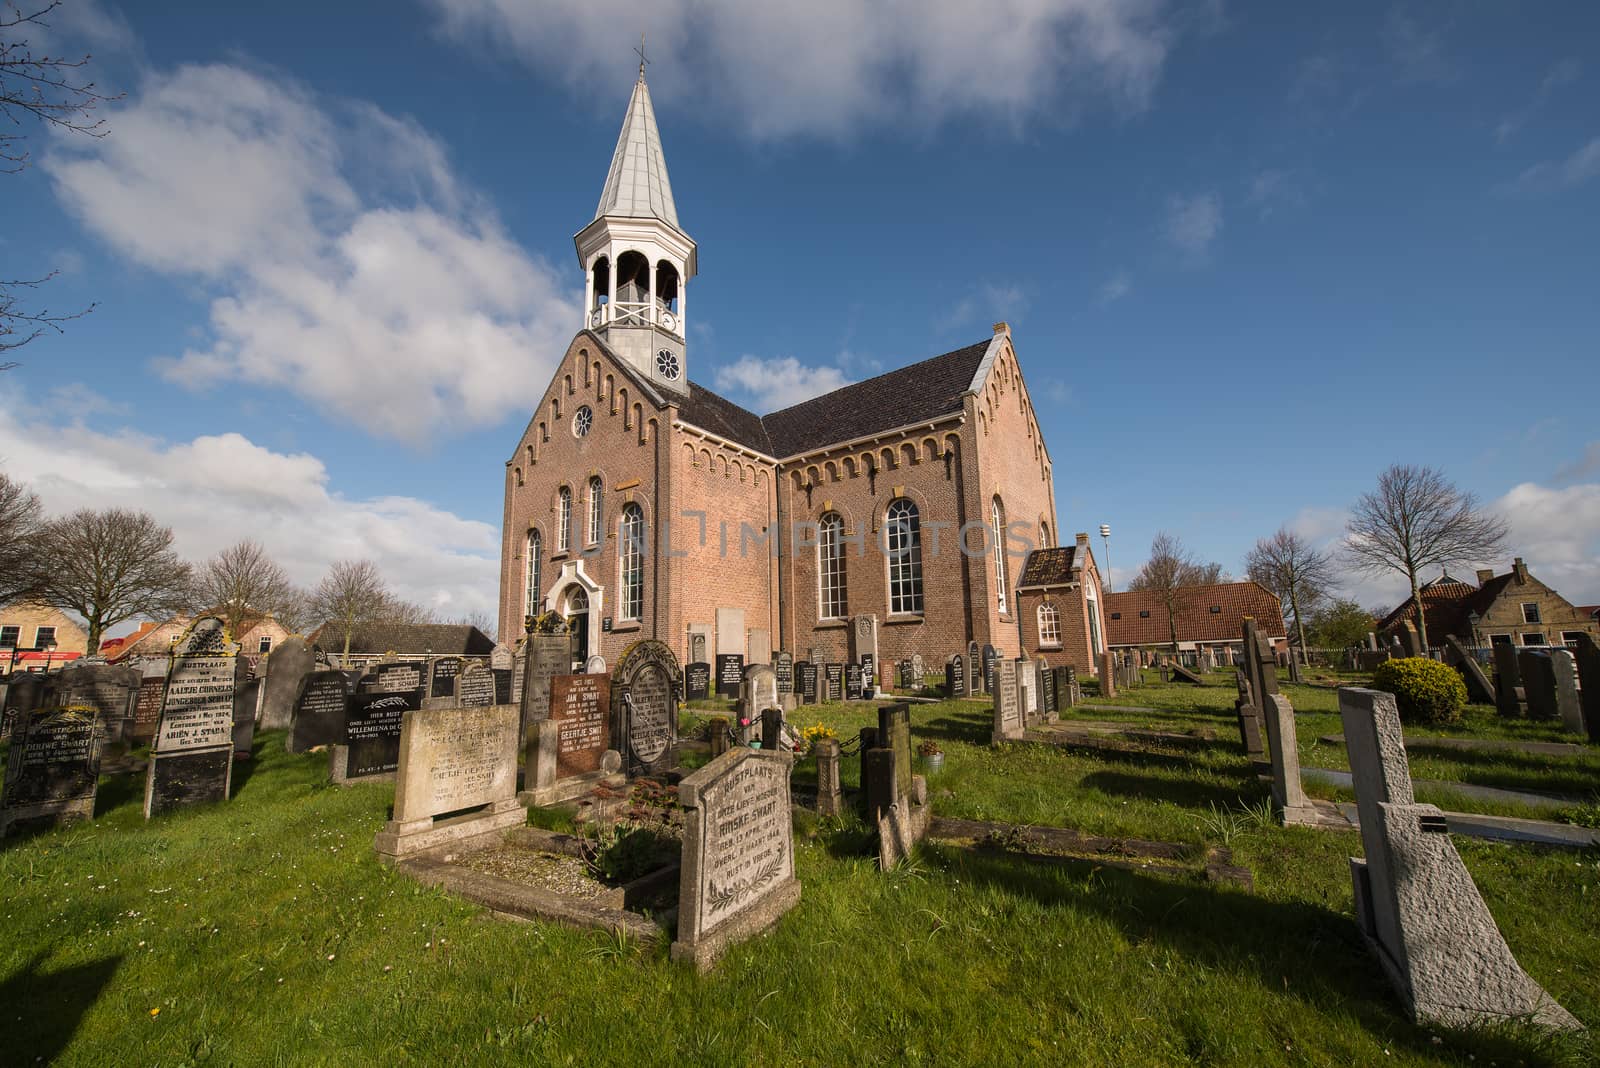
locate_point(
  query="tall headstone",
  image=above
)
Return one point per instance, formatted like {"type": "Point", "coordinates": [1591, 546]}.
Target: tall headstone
{"type": "Point", "coordinates": [955, 677]}
{"type": "Point", "coordinates": [1538, 683]}
{"type": "Point", "coordinates": [52, 769]}
{"type": "Point", "coordinates": [318, 711]}
{"type": "Point", "coordinates": [919, 669]}
{"type": "Point", "coordinates": [758, 646]}
{"type": "Point", "coordinates": [697, 681]}
{"type": "Point", "coordinates": [287, 664]}
{"type": "Point", "coordinates": [990, 656]}
{"type": "Point", "coordinates": [1588, 655]}
{"type": "Point", "coordinates": [697, 648]}
{"type": "Point", "coordinates": [644, 707]}
{"type": "Point", "coordinates": [1507, 681]}
{"type": "Point", "coordinates": [833, 682]}
{"type": "Point", "coordinates": [192, 761]}
{"type": "Point", "coordinates": [854, 682]}
{"type": "Point", "coordinates": [570, 753]}
{"type": "Point", "coordinates": [737, 874]}
{"type": "Point", "coordinates": [1410, 640]}
{"type": "Point", "coordinates": [974, 666]}
{"type": "Point", "coordinates": [546, 655]}
{"type": "Point", "coordinates": [1283, 749]}
{"type": "Point", "coordinates": [830, 797]}
{"type": "Point", "coordinates": [457, 762]}
{"type": "Point", "coordinates": [757, 693]}
{"type": "Point", "coordinates": [730, 674]}
{"type": "Point", "coordinates": [783, 667]}
{"type": "Point", "coordinates": [147, 705]}
{"type": "Point", "coordinates": [1108, 674]}
{"type": "Point", "coordinates": [245, 702]}
{"type": "Point", "coordinates": [370, 743]}
{"type": "Point", "coordinates": [1047, 691]}
{"type": "Point", "coordinates": [1414, 899]}
{"type": "Point", "coordinates": [808, 685]}
{"type": "Point", "coordinates": [475, 688]}
{"type": "Point", "coordinates": [24, 693]}
{"type": "Point", "coordinates": [864, 637]}
{"type": "Point", "coordinates": [445, 670]}
{"type": "Point", "coordinates": [1569, 707]}
{"type": "Point", "coordinates": [1008, 718]}
{"type": "Point", "coordinates": [1028, 688]}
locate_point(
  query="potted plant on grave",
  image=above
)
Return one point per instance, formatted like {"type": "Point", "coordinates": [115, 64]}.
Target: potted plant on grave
{"type": "Point", "coordinates": [932, 757]}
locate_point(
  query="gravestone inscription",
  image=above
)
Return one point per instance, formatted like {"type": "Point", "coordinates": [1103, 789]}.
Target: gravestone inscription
{"type": "Point", "coordinates": [476, 687]}
{"type": "Point", "coordinates": [372, 732]}
{"type": "Point", "coordinates": [697, 681]}
{"type": "Point", "coordinates": [319, 711]}
{"type": "Point", "coordinates": [446, 669]}
{"type": "Point", "coordinates": [833, 682]}
{"type": "Point", "coordinates": [783, 666]}
{"type": "Point", "coordinates": [192, 760]}
{"type": "Point", "coordinates": [853, 682]}
{"type": "Point", "coordinates": [806, 672]}
{"type": "Point", "coordinates": [147, 708]}
{"type": "Point", "coordinates": [581, 705]}
{"type": "Point", "coordinates": [644, 707]}
{"type": "Point", "coordinates": [730, 673]}
{"type": "Point", "coordinates": [52, 769]}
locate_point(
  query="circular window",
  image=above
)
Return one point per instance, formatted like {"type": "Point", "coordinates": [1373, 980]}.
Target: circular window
{"type": "Point", "coordinates": [667, 365]}
{"type": "Point", "coordinates": [582, 420]}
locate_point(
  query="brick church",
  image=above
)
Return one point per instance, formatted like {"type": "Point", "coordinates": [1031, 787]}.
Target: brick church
{"type": "Point", "coordinates": [639, 504]}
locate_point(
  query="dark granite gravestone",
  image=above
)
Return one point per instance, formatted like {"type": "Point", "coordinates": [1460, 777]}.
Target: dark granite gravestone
{"type": "Point", "coordinates": [1588, 657]}
{"type": "Point", "coordinates": [245, 701]}
{"type": "Point", "coordinates": [697, 681]}
{"type": "Point", "coordinates": [853, 682]}
{"type": "Point", "coordinates": [644, 707]}
{"type": "Point", "coordinates": [581, 706]}
{"type": "Point", "coordinates": [24, 693]}
{"type": "Point", "coordinates": [147, 709]}
{"type": "Point", "coordinates": [730, 673]}
{"type": "Point", "coordinates": [955, 677]}
{"type": "Point", "coordinates": [52, 769]}
{"type": "Point", "coordinates": [1538, 683]}
{"type": "Point", "coordinates": [903, 674]}
{"type": "Point", "coordinates": [806, 684]}
{"type": "Point", "coordinates": [372, 731]}
{"type": "Point", "coordinates": [1507, 681]}
{"type": "Point", "coordinates": [1064, 682]}
{"type": "Point", "coordinates": [110, 691]}
{"type": "Point", "coordinates": [319, 713]}
{"type": "Point", "coordinates": [783, 666]}
{"type": "Point", "coordinates": [442, 683]}
{"type": "Point", "coordinates": [990, 655]}
{"type": "Point", "coordinates": [869, 674]}
{"type": "Point", "coordinates": [475, 687]}
{"type": "Point", "coordinates": [833, 682]}
{"type": "Point", "coordinates": [192, 760]}
{"type": "Point", "coordinates": [291, 661]}
{"type": "Point", "coordinates": [401, 677]}
{"type": "Point", "coordinates": [974, 668]}
{"type": "Point", "coordinates": [1047, 693]}
{"type": "Point", "coordinates": [504, 686]}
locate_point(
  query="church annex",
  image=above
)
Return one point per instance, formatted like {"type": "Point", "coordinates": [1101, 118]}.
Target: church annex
{"type": "Point", "coordinates": [640, 504]}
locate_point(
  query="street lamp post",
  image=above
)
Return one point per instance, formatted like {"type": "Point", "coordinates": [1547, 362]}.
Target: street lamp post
{"type": "Point", "coordinates": [49, 655]}
{"type": "Point", "coordinates": [1105, 538]}
{"type": "Point", "coordinates": [1473, 619]}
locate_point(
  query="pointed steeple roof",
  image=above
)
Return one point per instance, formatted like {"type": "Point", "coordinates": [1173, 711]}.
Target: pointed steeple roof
{"type": "Point", "coordinates": [637, 185]}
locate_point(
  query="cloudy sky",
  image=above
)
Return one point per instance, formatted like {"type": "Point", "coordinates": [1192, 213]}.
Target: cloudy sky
{"type": "Point", "coordinates": [1250, 254]}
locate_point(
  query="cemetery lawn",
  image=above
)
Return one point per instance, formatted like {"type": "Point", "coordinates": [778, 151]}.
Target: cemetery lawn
{"type": "Point", "coordinates": [264, 931]}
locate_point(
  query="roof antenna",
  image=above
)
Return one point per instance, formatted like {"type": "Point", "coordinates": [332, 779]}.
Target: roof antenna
{"type": "Point", "coordinates": [642, 60]}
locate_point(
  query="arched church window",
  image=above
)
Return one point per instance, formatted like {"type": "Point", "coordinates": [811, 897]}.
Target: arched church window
{"type": "Point", "coordinates": [997, 521]}
{"type": "Point", "coordinates": [631, 554]}
{"type": "Point", "coordinates": [1044, 535]}
{"type": "Point", "coordinates": [833, 599]}
{"type": "Point", "coordinates": [903, 530]}
{"type": "Point", "coordinates": [1049, 625]}
{"type": "Point", "coordinates": [534, 551]}
{"type": "Point", "coordinates": [563, 520]}
{"type": "Point", "coordinates": [594, 510]}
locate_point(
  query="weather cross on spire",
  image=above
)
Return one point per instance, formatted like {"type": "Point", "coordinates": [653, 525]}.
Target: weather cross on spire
{"type": "Point", "coordinates": [642, 60]}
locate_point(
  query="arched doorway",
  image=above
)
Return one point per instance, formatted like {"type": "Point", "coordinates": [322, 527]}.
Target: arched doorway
{"type": "Point", "coordinates": [577, 613]}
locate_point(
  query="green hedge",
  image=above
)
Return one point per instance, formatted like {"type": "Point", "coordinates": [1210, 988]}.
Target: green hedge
{"type": "Point", "coordinates": [1426, 690]}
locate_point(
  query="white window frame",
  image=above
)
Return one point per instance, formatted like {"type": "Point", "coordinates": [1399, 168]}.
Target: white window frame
{"type": "Point", "coordinates": [630, 562]}
{"type": "Point", "coordinates": [1049, 619]}
{"type": "Point", "coordinates": [833, 589]}
{"type": "Point", "coordinates": [1531, 608]}
{"type": "Point", "coordinates": [596, 492]}
{"type": "Point", "coordinates": [38, 640]}
{"type": "Point", "coordinates": [903, 538]}
{"type": "Point", "coordinates": [563, 519]}
{"type": "Point", "coordinates": [997, 523]}
{"type": "Point", "coordinates": [1542, 643]}
{"type": "Point", "coordinates": [16, 637]}
{"type": "Point", "coordinates": [534, 546]}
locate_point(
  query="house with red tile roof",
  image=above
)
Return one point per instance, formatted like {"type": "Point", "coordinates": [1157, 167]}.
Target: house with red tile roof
{"type": "Point", "coordinates": [1510, 609]}
{"type": "Point", "coordinates": [1208, 617]}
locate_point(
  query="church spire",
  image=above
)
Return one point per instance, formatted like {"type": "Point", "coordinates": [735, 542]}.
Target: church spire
{"type": "Point", "coordinates": [637, 186]}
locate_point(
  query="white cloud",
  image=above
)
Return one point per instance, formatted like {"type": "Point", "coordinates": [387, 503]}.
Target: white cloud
{"type": "Point", "coordinates": [217, 489]}
{"type": "Point", "coordinates": [1557, 531]}
{"type": "Point", "coordinates": [1555, 175]}
{"type": "Point", "coordinates": [779, 382]}
{"type": "Point", "coordinates": [831, 67]}
{"type": "Point", "coordinates": [1194, 222]}
{"type": "Point", "coordinates": [1115, 288]}
{"type": "Point", "coordinates": [348, 264]}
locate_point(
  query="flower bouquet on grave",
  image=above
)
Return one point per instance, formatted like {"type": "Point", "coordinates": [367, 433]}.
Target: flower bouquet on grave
{"type": "Point", "coordinates": [931, 755]}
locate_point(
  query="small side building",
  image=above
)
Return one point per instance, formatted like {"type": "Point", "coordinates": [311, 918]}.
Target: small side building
{"type": "Point", "coordinates": [37, 637]}
{"type": "Point", "coordinates": [1058, 602]}
{"type": "Point", "coordinates": [1510, 609]}
{"type": "Point", "coordinates": [410, 641]}
{"type": "Point", "coordinates": [1209, 619]}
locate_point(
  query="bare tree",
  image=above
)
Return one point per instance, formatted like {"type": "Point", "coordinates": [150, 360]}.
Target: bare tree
{"type": "Point", "coordinates": [1165, 574]}
{"type": "Point", "coordinates": [399, 610]}
{"type": "Point", "coordinates": [350, 594]}
{"type": "Point", "coordinates": [1418, 519]}
{"type": "Point", "coordinates": [21, 525]}
{"type": "Point", "coordinates": [294, 610]}
{"type": "Point", "coordinates": [481, 620]}
{"type": "Point", "coordinates": [113, 565]}
{"type": "Point", "coordinates": [49, 90]}
{"type": "Point", "coordinates": [243, 584]}
{"type": "Point", "coordinates": [1299, 574]}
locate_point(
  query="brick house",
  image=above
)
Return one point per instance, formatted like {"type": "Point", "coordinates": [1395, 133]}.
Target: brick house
{"type": "Point", "coordinates": [640, 504]}
{"type": "Point", "coordinates": [1059, 596]}
{"type": "Point", "coordinates": [28, 632]}
{"type": "Point", "coordinates": [1208, 617]}
{"type": "Point", "coordinates": [1510, 609]}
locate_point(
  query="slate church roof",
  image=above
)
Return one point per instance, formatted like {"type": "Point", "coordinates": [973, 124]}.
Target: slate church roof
{"type": "Point", "coordinates": [911, 394]}
{"type": "Point", "coordinates": [1048, 567]}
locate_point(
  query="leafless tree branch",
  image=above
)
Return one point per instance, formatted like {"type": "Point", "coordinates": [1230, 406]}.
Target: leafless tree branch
{"type": "Point", "coordinates": [1299, 574]}
{"type": "Point", "coordinates": [113, 565]}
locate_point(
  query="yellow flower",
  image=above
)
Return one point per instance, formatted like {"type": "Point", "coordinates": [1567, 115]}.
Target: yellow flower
{"type": "Point", "coordinates": [155, 1011]}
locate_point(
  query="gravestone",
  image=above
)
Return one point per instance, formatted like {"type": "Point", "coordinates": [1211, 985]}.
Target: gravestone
{"type": "Point", "coordinates": [1047, 692]}
{"type": "Point", "coordinates": [595, 665]}
{"type": "Point", "coordinates": [546, 656]}
{"type": "Point", "coordinates": [697, 648]}
{"type": "Point", "coordinates": [475, 688]}
{"type": "Point", "coordinates": [974, 664]}
{"type": "Point", "coordinates": [1250, 716]}
{"type": "Point", "coordinates": [990, 655]}
{"type": "Point", "coordinates": [442, 681]}
{"type": "Point", "coordinates": [758, 646]}
{"type": "Point", "coordinates": [245, 703]}
{"type": "Point", "coordinates": [1108, 673]}
{"type": "Point", "coordinates": [644, 707]}
{"type": "Point", "coordinates": [1507, 681]}
{"type": "Point", "coordinates": [869, 675]}
{"type": "Point", "coordinates": [806, 672]}
{"type": "Point", "coordinates": [1066, 687]}
{"type": "Point", "coordinates": [519, 672]}
{"type": "Point", "coordinates": [1410, 640]}
{"type": "Point", "coordinates": [1478, 687]}
{"type": "Point", "coordinates": [1283, 750]}
{"type": "Point", "coordinates": [110, 691]}
{"type": "Point", "coordinates": [1183, 674]}
{"type": "Point", "coordinates": [502, 658]}
{"type": "Point", "coordinates": [730, 674]}
{"type": "Point", "coordinates": [903, 674]}
{"type": "Point", "coordinates": [919, 669]}
{"type": "Point", "coordinates": [1415, 901]}
{"type": "Point", "coordinates": [319, 711]}
{"type": "Point", "coordinates": [287, 664]}
{"type": "Point", "coordinates": [52, 769]}
{"type": "Point", "coordinates": [1568, 706]}
{"type": "Point", "coordinates": [737, 874]}
{"type": "Point", "coordinates": [1028, 691]}
{"type": "Point", "coordinates": [830, 796]}
{"type": "Point", "coordinates": [505, 686]}
{"type": "Point", "coordinates": [396, 677]}
{"type": "Point", "coordinates": [192, 760]}
{"type": "Point", "coordinates": [24, 693]}
{"type": "Point", "coordinates": [697, 681]}
{"type": "Point", "coordinates": [1538, 683]}
{"type": "Point", "coordinates": [1008, 719]}
{"type": "Point", "coordinates": [783, 667]}
{"type": "Point", "coordinates": [147, 708]}
{"type": "Point", "coordinates": [570, 753]}
{"type": "Point", "coordinates": [1588, 655]}
{"type": "Point", "coordinates": [864, 637]}
{"type": "Point", "coordinates": [854, 682]}
{"type": "Point", "coordinates": [896, 800]}
{"type": "Point", "coordinates": [833, 681]}
{"type": "Point", "coordinates": [955, 677]}
{"type": "Point", "coordinates": [757, 693]}
{"type": "Point", "coordinates": [370, 743]}
{"type": "Point", "coordinates": [459, 763]}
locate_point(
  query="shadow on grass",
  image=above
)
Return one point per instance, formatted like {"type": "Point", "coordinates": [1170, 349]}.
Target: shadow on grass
{"type": "Point", "coordinates": [118, 790]}
{"type": "Point", "coordinates": [973, 731]}
{"type": "Point", "coordinates": [1186, 793]}
{"type": "Point", "coordinates": [48, 1006]}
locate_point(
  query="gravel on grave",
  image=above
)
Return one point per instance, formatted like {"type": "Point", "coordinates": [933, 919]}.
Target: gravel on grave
{"type": "Point", "coordinates": [555, 872]}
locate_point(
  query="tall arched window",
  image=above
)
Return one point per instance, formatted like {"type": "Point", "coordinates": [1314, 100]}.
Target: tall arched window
{"type": "Point", "coordinates": [1044, 535]}
{"type": "Point", "coordinates": [833, 598]}
{"type": "Point", "coordinates": [1049, 625]}
{"type": "Point", "coordinates": [997, 520]}
{"type": "Point", "coordinates": [904, 539]}
{"type": "Point", "coordinates": [594, 511]}
{"type": "Point", "coordinates": [564, 520]}
{"type": "Point", "coordinates": [534, 549]}
{"type": "Point", "coordinates": [631, 554]}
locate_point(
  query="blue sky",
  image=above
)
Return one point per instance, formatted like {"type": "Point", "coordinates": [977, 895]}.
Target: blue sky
{"type": "Point", "coordinates": [1251, 254]}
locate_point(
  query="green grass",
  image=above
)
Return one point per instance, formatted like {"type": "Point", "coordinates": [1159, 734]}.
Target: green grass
{"type": "Point", "coordinates": [225, 918]}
